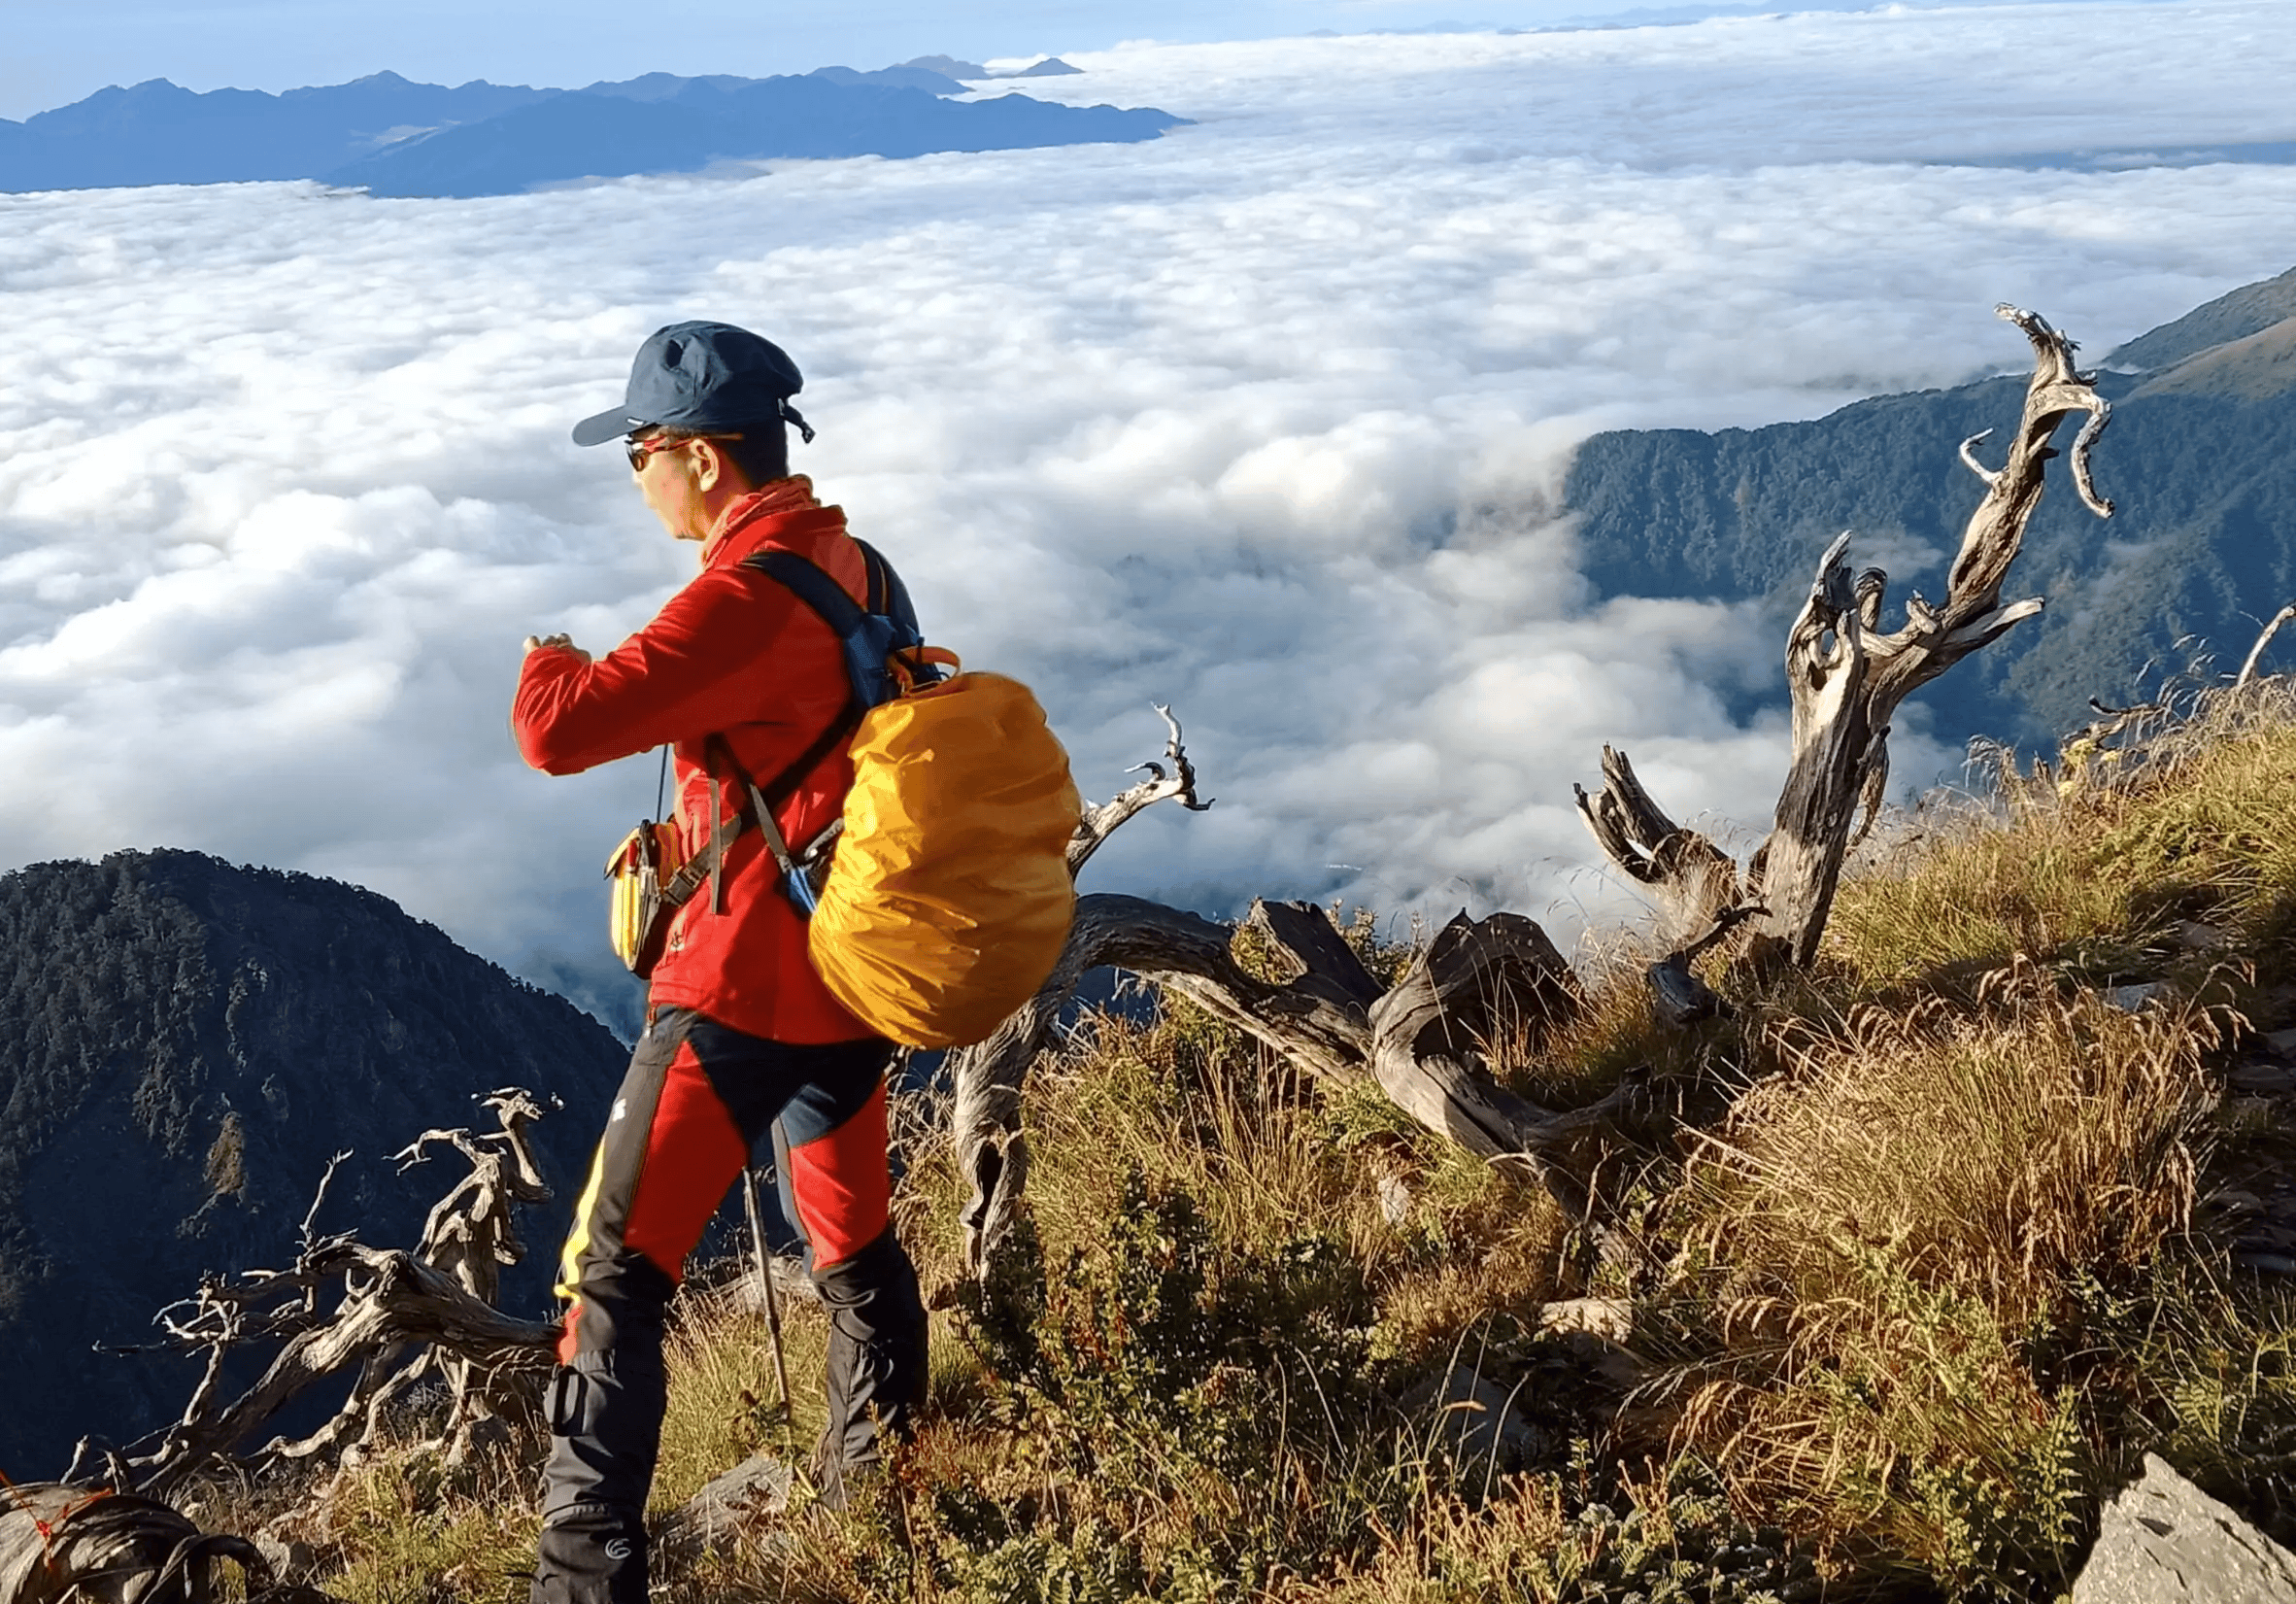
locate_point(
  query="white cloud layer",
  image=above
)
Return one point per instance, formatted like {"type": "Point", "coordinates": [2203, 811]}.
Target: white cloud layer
{"type": "Point", "coordinates": [1267, 420]}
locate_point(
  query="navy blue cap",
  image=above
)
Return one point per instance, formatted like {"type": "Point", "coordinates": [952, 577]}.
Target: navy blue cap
{"type": "Point", "coordinates": [701, 376]}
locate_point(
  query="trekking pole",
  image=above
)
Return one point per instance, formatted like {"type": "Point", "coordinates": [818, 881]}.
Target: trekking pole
{"type": "Point", "coordinates": [781, 1367]}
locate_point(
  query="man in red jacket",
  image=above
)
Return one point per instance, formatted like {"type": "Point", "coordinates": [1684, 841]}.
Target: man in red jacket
{"type": "Point", "coordinates": [745, 684]}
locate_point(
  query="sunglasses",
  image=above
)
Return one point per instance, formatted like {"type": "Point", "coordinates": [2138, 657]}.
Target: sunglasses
{"type": "Point", "coordinates": [638, 449]}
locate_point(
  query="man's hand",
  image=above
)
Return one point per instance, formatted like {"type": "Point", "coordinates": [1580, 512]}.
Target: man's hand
{"type": "Point", "coordinates": [561, 643]}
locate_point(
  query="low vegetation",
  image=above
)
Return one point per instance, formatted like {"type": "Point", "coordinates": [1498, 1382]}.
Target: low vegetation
{"type": "Point", "coordinates": [1970, 1227]}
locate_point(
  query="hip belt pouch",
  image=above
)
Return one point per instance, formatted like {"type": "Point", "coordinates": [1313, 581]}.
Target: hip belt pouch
{"type": "Point", "coordinates": [638, 919]}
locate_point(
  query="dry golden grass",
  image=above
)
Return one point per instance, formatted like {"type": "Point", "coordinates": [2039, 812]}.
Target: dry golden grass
{"type": "Point", "coordinates": [1455, 1554]}
{"type": "Point", "coordinates": [403, 1528]}
{"type": "Point", "coordinates": [2094, 870]}
{"type": "Point", "coordinates": [1888, 1234]}
{"type": "Point", "coordinates": [2003, 1153]}
{"type": "Point", "coordinates": [725, 1403]}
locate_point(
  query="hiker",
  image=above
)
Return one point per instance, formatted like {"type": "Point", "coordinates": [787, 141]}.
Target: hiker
{"type": "Point", "coordinates": [748, 687]}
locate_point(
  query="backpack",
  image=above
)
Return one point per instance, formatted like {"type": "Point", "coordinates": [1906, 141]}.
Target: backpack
{"type": "Point", "coordinates": [947, 898]}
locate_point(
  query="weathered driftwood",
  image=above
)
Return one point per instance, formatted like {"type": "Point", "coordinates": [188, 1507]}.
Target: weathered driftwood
{"type": "Point", "coordinates": [400, 1315]}
{"type": "Point", "coordinates": [1846, 678]}
{"type": "Point", "coordinates": [67, 1545]}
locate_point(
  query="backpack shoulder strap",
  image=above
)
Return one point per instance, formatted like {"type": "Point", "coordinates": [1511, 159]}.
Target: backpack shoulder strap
{"type": "Point", "coordinates": [816, 588]}
{"type": "Point", "coordinates": [887, 594]}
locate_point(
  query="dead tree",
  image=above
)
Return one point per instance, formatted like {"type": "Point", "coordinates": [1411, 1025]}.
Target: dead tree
{"type": "Point", "coordinates": [1847, 679]}
{"type": "Point", "coordinates": [472, 1235]}
{"type": "Point", "coordinates": [400, 1317]}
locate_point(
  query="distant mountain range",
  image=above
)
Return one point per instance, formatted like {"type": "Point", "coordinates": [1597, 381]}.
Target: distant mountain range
{"type": "Point", "coordinates": [397, 138]}
{"type": "Point", "coordinates": [2201, 459]}
{"type": "Point", "coordinates": [183, 1045]}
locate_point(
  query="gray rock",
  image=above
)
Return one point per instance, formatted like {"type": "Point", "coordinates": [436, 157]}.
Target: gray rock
{"type": "Point", "coordinates": [755, 1490]}
{"type": "Point", "coordinates": [1479, 1421]}
{"type": "Point", "coordinates": [2262, 1080]}
{"type": "Point", "coordinates": [2164, 1540]}
{"type": "Point", "coordinates": [2137, 997]}
{"type": "Point", "coordinates": [290, 1559]}
{"type": "Point", "coordinates": [1395, 1199]}
{"type": "Point", "coordinates": [1610, 1319]}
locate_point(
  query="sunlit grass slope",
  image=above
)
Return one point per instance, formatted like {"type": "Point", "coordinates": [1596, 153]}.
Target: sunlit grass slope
{"type": "Point", "coordinates": [1942, 1255]}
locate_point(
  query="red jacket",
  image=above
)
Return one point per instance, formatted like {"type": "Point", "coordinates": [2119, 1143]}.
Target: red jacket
{"type": "Point", "coordinates": [735, 654]}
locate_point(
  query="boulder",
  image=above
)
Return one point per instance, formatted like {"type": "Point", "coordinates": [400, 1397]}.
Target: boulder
{"type": "Point", "coordinates": [1479, 1421]}
{"type": "Point", "coordinates": [2164, 1540]}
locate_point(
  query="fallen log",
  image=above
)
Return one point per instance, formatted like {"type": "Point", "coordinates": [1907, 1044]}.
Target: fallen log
{"type": "Point", "coordinates": [66, 1545]}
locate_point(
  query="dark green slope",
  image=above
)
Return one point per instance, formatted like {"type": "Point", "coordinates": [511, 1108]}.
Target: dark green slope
{"type": "Point", "coordinates": [183, 1044]}
{"type": "Point", "coordinates": [2201, 459]}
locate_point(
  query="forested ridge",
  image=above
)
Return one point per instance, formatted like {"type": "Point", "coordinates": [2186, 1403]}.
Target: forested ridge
{"type": "Point", "coordinates": [2201, 548]}
{"type": "Point", "coordinates": [183, 1044]}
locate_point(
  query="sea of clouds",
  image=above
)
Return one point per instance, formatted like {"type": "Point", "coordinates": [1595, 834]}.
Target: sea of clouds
{"type": "Point", "coordinates": [1267, 420]}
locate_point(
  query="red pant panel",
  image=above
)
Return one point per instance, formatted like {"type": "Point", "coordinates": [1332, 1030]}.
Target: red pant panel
{"type": "Point", "coordinates": [693, 1154]}
{"type": "Point", "coordinates": [842, 1187]}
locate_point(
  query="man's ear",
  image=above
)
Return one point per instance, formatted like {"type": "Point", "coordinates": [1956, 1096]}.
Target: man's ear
{"type": "Point", "coordinates": [709, 467]}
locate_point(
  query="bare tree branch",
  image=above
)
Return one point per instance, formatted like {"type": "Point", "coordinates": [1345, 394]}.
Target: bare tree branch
{"type": "Point", "coordinates": [1099, 822]}
{"type": "Point", "coordinates": [319, 1196]}
{"type": "Point", "coordinates": [2257, 652]}
{"type": "Point", "coordinates": [435, 1302]}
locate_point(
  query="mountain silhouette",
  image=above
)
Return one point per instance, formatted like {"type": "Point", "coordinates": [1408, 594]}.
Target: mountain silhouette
{"type": "Point", "coordinates": [156, 133]}
{"type": "Point", "coordinates": [400, 138]}
{"type": "Point", "coordinates": [603, 133]}
{"type": "Point", "coordinates": [183, 1045]}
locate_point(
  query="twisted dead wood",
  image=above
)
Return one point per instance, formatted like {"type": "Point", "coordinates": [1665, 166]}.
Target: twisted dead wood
{"type": "Point", "coordinates": [1691, 878]}
{"type": "Point", "coordinates": [1847, 679]}
{"type": "Point", "coordinates": [432, 1303]}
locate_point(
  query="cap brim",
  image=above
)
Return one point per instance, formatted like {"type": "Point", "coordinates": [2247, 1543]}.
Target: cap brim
{"type": "Point", "coordinates": [610, 424]}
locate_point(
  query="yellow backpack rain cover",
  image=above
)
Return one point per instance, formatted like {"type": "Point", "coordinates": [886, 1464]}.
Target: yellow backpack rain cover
{"type": "Point", "coordinates": [949, 899]}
